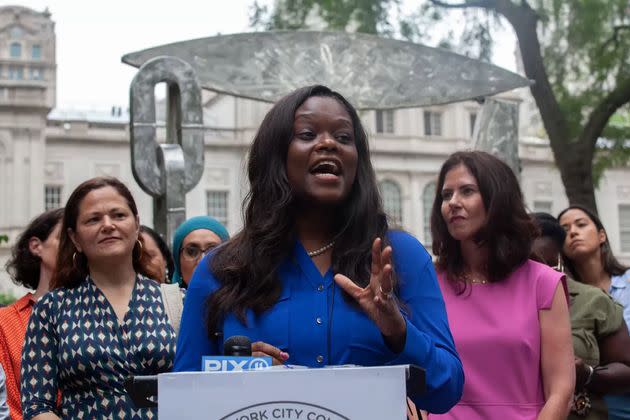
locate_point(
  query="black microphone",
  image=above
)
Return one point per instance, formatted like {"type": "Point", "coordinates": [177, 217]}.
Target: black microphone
{"type": "Point", "coordinates": [237, 345]}
{"type": "Point", "coordinates": [237, 356]}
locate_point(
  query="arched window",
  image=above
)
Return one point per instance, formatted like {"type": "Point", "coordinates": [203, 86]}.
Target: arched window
{"type": "Point", "coordinates": [15, 50]}
{"type": "Point", "coordinates": [392, 200]}
{"type": "Point", "coordinates": [428, 195]}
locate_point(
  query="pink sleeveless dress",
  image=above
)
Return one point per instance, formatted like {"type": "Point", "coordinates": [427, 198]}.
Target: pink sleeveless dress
{"type": "Point", "coordinates": [497, 335]}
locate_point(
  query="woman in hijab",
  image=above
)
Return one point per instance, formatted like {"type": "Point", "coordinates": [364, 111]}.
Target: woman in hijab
{"type": "Point", "coordinates": [192, 240]}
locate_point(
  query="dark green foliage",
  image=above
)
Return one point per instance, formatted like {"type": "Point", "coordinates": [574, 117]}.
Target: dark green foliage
{"type": "Point", "coordinates": [6, 299]}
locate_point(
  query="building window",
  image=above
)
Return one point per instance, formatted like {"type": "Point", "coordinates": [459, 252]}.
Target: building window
{"type": "Point", "coordinates": [542, 206]}
{"type": "Point", "coordinates": [52, 197]}
{"type": "Point", "coordinates": [16, 32]}
{"type": "Point", "coordinates": [36, 74]}
{"type": "Point", "coordinates": [15, 50]}
{"type": "Point", "coordinates": [392, 201]}
{"type": "Point", "coordinates": [432, 123]}
{"type": "Point", "coordinates": [472, 119]}
{"type": "Point", "coordinates": [36, 52]}
{"type": "Point", "coordinates": [217, 205]}
{"type": "Point", "coordinates": [624, 227]}
{"type": "Point", "coordinates": [428, 195]}
{"type": "Point", "coordinates": [385, 121]}
{"type": "Point", "coordinates": [16, 72]}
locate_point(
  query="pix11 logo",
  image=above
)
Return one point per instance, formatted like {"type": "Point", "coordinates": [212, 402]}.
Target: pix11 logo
{"type": "Point", "coordinates": [234, 363]}
{"type": "Point", "coordinates": [284, 410]}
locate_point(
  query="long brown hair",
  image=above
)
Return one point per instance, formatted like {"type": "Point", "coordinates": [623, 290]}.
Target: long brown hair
{"type": "Point", "coordinates": [610, 264]}
{"type": "Point", "coordinates": [72, 267]}
{"type": "Point", "coordinates": [508, 231]}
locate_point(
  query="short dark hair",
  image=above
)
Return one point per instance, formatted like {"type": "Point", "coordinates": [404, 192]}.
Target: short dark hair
{"type": "Point", "coordinates": [164, 250]}
{"type": "Point", "coordinates": [611, 265]}
{"type": "Point", "coordinates": [508, 231]}
{"type": "Point", "coordinates": [71, 270]}
{"type": "Point", "coordinates": [246, 266]}
{"type": "Point", "coordinates": [550, 228]}
{"type": "Point", "coordinates": [24, 266]}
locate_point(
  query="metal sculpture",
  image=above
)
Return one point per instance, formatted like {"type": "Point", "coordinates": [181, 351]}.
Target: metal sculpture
{"type": "Point", "coordinates": [496, 131]}
{"type": "Point", "coordinates": [167, 171]}
{"type": "Point", "coordinates": [373, 72]}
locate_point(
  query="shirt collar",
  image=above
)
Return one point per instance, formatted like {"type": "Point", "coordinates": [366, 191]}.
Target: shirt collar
{"type": "Point", "coordinates": [620, 282]}
{"type": "Point", "coordinates": [25, 302]}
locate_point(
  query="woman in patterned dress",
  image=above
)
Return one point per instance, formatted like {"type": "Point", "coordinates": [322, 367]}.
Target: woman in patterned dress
{"type": "Point", "coordinates": [103, 321]}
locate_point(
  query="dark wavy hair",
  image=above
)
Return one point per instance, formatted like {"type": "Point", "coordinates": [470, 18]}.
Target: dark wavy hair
{"type": "Point", "coordinates": [72, 269]}
{"type": "Point", "coordinates": [246, 266]}
{"type": "Point", "coordinates": [164, 250]}
{"type": "Point", "coordinates": [508, 231]}
{"type": "Point", "coordinates": [550, 228]}
{"type": "Point", "coordinates": [611, 265]}
{"type": "Point", "coordinates": [23, 266]}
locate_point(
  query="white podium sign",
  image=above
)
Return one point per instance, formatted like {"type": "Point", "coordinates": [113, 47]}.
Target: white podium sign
{"type": "Point", "coordinates": [339, 393]}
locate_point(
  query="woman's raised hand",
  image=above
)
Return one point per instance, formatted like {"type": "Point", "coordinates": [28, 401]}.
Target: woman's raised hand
{"type": "Point", "coordinates": [377, 299]}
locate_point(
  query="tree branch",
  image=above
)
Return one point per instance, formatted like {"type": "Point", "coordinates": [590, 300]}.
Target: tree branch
{"type": "Point", "coordinates": [598, 119]}
{"type": "Point", "coordinates": [486, 4]}
{"type": "Point", "coordinates": [615, 36]}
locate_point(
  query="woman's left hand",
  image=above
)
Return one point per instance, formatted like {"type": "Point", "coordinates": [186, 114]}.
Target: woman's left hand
{"type": "Point", "coordinates": [377, 299]}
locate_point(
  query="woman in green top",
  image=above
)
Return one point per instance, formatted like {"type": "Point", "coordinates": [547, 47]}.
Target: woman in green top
{"type": "Point", "coordinates": [600, 338]}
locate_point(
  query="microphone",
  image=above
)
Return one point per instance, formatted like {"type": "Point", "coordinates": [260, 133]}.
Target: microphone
{"type": "Point", "coordinates": [237, 345]}
{"type": "Point", "coordinates": [237, 356]}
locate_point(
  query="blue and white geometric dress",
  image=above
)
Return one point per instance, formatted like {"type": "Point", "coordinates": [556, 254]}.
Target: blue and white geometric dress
{"type": "Point", "coordinates": [74, 344]}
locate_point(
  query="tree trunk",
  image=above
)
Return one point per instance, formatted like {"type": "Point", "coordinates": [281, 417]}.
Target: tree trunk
{"type": "Point", "coordinates": [575, 162]}
{"type": "Point", "coordinates": [574, 157]}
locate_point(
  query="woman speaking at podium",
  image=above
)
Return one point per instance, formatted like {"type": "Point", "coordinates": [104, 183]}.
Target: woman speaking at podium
{"type": "Point", "coordinates": [315, 277]}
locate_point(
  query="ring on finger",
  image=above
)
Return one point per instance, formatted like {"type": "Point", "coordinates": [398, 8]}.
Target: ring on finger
{"type": "Point", "coordinates": [387, 295]}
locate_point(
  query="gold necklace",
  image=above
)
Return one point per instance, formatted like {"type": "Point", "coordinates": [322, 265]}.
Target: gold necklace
{"type": "Point", "coordinates": [475, 281]}
{"type": "Point", "coordinates": [471, 280]}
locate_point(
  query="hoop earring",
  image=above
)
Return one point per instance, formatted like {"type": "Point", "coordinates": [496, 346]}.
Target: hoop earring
{"type": "Point", "coordinates": [141, 249]}
{"type": "Point", "coordinates": [560, 266]}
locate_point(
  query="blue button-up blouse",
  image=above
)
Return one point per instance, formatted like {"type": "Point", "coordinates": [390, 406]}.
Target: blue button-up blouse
{"type": "Point", "coordinates": [318, 326]}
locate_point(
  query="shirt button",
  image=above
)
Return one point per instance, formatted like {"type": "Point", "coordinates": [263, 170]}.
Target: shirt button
{"type": "Point", "coordinates": [320, 359]}
{"type": "Point", "coordinates": [319, 321]}
{"type": "Point", "coordinates": [320, 288]}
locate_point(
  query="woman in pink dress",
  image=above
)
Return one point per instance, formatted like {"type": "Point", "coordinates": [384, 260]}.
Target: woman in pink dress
{"type": "Point", "coordinates": [508, 315]}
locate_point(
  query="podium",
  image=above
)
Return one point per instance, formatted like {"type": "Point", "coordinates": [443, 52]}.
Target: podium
{"type": "Point", "coordinates": [331, 393]}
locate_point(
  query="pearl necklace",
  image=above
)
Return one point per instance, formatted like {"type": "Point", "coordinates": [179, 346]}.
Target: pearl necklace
{"type": "Point", "coordinates": [321, 250]}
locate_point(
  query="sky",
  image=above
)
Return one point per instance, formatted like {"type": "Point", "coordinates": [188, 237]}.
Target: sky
{"type": "Point", "coordinates": [92, 36]}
